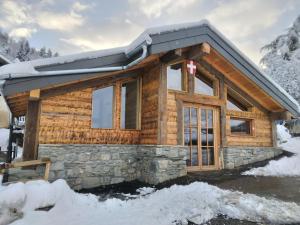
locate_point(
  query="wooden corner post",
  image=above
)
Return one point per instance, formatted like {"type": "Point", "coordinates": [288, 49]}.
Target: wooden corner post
{"type": "Point", "coordinates": [162, 106]}
{"type": "Point", "coordinates": [32, 127]}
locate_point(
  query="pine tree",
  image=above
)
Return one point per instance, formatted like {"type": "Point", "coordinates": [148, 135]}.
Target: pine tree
{"type": "Point", "coordinates": [281, 59]}
{"type": "Point", "coordinates": [42, 52]}
{"type": "Point", "coordinates": [23, 52]}
{"type": "Point", "coordinates": [49, 53]}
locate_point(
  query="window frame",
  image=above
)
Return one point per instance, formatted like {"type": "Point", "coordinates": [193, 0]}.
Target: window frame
{"type": "Point", "coordinates": [114, 105]}
{"type": "Point", "coordinates": [184, 76]}
{"type": "Point", "coordinates": [251, 124]}
{"type": "Point", "coordinates": [209, 76]}
{"type": "Point", "coordinates": [139, 103]}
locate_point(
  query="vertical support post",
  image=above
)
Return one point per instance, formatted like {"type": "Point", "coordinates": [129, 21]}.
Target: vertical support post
{"type": "Point", "coordinates": [162, 106]}
{"type": "Point", "coordinates": [9, 147]}
{"type": "Point", "coordinates": [180, 131]}
{"type": "Point", "coordinates": [31, 130]}
{"type": "Point", "coordinates": [274, 133]}
{"type": "Point", "coordinates": [223, 141]}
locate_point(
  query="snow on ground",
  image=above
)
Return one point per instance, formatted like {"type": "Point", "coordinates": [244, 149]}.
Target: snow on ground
{"type": "Point", "coordinates": [161, 207]}
{"type": "Point", "coordinates": [286, 166]}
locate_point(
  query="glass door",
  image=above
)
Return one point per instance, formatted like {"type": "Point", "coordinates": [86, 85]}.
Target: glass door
{"type": "Point", "coordinates": [200, 136]}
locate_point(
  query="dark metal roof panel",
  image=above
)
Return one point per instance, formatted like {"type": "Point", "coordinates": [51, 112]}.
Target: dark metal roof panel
{"type": "Point", "coordinates": [111, 60]}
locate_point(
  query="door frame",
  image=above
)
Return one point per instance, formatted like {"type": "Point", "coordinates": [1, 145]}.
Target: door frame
{"type": "Point", "coordinates": [216, 126]}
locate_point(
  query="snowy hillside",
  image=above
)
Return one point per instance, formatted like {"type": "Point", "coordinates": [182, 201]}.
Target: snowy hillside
{"type": "Point", "coordinates": [21, 49]}
{"type": "Point", "coordinates": [282, 60]}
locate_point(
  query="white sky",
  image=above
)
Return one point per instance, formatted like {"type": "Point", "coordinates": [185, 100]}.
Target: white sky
{"type": "Point", "coordinates": [71, 26]}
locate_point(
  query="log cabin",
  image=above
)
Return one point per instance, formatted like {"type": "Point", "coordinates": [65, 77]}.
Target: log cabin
{"type": "Point", "coordinates": [178, 99]}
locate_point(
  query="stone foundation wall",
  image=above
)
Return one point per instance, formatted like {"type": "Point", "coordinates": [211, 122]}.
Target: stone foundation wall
{"type": "Point", "coordinates": [87, 166]}
{"type": "Point", "coordinates": [238, 156]}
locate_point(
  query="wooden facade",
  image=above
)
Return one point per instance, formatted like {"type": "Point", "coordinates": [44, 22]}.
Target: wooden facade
{"type": "Point", "coordinates": [65, 112]}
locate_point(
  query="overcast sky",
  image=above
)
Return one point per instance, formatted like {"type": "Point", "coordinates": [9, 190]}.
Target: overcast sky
{"type": "Point", "coordinates": [71, 26]}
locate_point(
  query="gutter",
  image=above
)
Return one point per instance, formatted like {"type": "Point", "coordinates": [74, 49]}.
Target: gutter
{"type": "Point", "coordinates": [82, 71]}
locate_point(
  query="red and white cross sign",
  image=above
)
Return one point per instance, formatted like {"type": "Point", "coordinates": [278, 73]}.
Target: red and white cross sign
{"type": "Point", "coordinates": [191, 67]}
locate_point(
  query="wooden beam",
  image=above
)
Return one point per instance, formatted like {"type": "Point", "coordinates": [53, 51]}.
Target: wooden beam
{"type": "Point", "coordinates": [162, 106]}
{"type": "Point", "coordinates": [223, 96]}
{"type": "Point", "coordinates": [31, 130]}
{"type": "Point", "coordinates": [178, 51]}
{"type": "Point", "coordinates": [198, 99]}
{"type": "Point", "coordinates": [199, 51]}
{"type": "Point", "coordinates": [180, 129]}
{"type": "Point", "coordinates": [34, 94]}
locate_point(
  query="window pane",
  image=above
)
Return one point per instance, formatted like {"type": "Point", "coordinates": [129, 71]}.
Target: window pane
{"type": "Point", "coordinates": [194, 118]}
{"type": "Point", "coordinates": [175, 77]}
{"type": "Point", "coordinates": [204, 156]}
{"type": "Point", "coordinates": [187, 136]}
{"type": "Point", "coordinates": [194, 136]}
{"type": "Point", "coordinates": [129, 106]}
{"type": "Point", "coordinates": [240, 126]}
{"type": "Point", "coordinates": [188, 157]}
{"type": "Point", "coordinates": [186, 116]}
{"type": "Point", "coordinates": [102, 111]}
{"type": "Point", "coordinates": [203, 85]}
{"type": "Point", "coordinates": [194, 161]}
{"type": "Point", "coordinates": [233, 104]}
{"type": "Point", "coordinates": [211, 156]}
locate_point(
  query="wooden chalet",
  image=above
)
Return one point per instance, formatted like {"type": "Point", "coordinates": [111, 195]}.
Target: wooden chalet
{"type": "Point", "coordinates": [179, 98]}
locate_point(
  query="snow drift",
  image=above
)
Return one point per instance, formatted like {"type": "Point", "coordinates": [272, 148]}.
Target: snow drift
{"type": "Point", "coordinates": [286, 166]}
{"type": "Point", "coordinates": [161, 207]}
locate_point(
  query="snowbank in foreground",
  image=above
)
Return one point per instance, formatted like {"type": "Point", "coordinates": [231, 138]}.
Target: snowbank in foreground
{"type": "Point", "coordinates": [284, 166]}
{"type": "Point", "coordinates": [160, 208]}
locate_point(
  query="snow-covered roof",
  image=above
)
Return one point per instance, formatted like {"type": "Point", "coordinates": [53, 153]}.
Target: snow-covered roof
{"type": "Point", "coordinates": [4, 59]}
{"type": "Point", "coordinates": [158, 39]}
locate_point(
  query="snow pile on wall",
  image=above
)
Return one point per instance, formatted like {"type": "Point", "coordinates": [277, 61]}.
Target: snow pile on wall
{"type": "Point", "coordinates": [286, 166]}
{"type": "Point", "coordinates": [161, 207]}
{"type": "Point", "coordinates": [283, 134]}
{"type": "Point", "coordinates": [4, 135]}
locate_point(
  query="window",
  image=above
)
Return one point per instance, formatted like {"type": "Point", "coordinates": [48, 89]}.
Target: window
{"type": "Point", "coordinates": [102, 107]}
{"type": "Point", "coordinates": [175, 77]}
{"type": "Point", "coordinates": [236, 102]}
{"type": "Point", "coordinates": [203, 85]}
{"type": "Point", "coordinates": [240, 126]}
{"type": "Point", "coordinates": [129, 105]}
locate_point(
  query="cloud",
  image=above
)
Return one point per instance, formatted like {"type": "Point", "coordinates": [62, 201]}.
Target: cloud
{"type": "Point", "coordinates": [14, 13]}
{"type": "Point", "coordinates": [59, 21]}
{"type": "Point", "coordinates": [22, 32]}
{"type": "Point", "coordinates": [78, 7]}
{"type": "Point", "coordinates": [239, 19]}
{"type": "Point", "coordinates": [155, 8]}
{"type": "Point", "coordinates": [42, 14]}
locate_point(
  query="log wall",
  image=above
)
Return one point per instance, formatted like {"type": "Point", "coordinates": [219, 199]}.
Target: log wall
{"type": "Point", "coordinates": [262, 129]}
{"type": "Point", "coordinates": [66, 118]}
{"type": "Point", "coordinates": [150, 115]}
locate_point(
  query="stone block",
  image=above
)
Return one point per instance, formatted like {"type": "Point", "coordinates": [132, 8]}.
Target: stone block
{"type": "Point", "coordinates": [90, 182]}
{"type": "Point", "coordinates": [105, 156]}
{"type": "Point", "coordinates": [57, 165]}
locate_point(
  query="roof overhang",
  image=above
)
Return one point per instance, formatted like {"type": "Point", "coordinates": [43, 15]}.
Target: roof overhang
{"type": "Point", "coordinates": [163, 39]}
